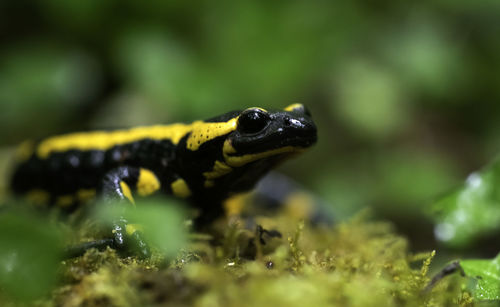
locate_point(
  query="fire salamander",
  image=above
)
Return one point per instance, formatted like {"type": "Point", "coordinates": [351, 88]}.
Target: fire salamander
{"type": "Point", "coordinates": [204, 162]}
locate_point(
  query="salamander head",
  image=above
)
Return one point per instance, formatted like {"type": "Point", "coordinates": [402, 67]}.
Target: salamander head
{"type": "Point", "coordinates": [262, 134]}
{"type": "Point", "coordinates": [238, 148]}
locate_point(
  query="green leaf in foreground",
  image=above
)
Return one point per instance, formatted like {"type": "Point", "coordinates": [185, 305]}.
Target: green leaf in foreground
{"type": "Point", "coordinates": [471, 211]}
{"type": "Point", "coordinates": [487, 276]}
{"type": "Point", "coordinates": [161, 222]}
{"type": "Point", "coordinates": [30, 254]}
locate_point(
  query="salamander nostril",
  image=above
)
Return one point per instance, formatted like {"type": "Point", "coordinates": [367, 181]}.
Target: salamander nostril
{"type": "Point", "coordinates": [293, 123]}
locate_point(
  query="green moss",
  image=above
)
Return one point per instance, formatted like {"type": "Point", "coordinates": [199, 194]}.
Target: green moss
{"type": "Point", "coordinates": [357, 263]}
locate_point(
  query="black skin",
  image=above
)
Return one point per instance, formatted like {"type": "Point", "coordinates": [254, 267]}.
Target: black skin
{"type": "Point", "coordinates": [64, 173]}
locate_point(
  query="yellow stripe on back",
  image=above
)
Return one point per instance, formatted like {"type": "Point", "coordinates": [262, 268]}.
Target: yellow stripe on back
{"type": "Point", "coordinates": [203, 132]}
{"type": "Point", "coordinates": [103, 140]}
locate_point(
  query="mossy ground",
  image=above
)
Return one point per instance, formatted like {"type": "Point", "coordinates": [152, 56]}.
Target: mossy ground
{"type": "Point", "coordinates": [356, 263]}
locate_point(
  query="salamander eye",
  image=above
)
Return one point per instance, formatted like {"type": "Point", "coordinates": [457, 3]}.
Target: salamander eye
{"type": "Point", "coordinates": [253, 121]}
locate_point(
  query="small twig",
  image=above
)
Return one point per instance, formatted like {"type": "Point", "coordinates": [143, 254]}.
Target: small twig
{"type": "Point", "coordinates": [447, 270]}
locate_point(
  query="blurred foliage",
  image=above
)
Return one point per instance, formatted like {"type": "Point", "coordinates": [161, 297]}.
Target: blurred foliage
{"type": "Point", "coordinates": [486, 276]}
{"type": "Point", "coordinates": [470, 212]}
{"type": "Point", "coordinates": [308, 266]}
{"type": "Point", "coordinates": [161, 221]}
{"type": "Point", "coordinates": [30, 255]}
{"type": "Point", "coordinates": [404, 94]}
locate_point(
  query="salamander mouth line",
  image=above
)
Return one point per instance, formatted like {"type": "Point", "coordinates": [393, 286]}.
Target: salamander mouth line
{"type": "Point", "coordinates": [293, 143]}
{"type": "Point", "coordinates": [240, 160]}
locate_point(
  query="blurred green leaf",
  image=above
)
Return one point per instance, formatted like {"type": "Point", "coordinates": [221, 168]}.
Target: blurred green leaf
{"type": "Point", "coordinates": [486, 273]}
{"type": "Point", "coordinates": [336, 184]}
{"type": "Point", "coordinates": [41, 82]}
{"type": "Point", "coordinates": [30, 254]}
{"type": "Point", "coordinates": [83, 15]}
{"type": "Point", "coordinates": [426, 58]}
{"type": "Point", "coordinates": [470, 211]}
{"type": "Point", "coordinates": [154, 63]}
{"type": "Point", "coordinates": [252, 59]}
{"type": "Point", "coordinates": [413, 175]}
{"type": "Point", "coordinates": [369, 99]}
{"type": "Point", "coordinates": [161, 220]}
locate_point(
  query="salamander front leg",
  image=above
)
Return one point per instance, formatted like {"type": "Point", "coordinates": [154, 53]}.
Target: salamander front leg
{"type": "Point", "coordinates": [117, 188]}
{"type": "Point", "coordinates": [127, 237]}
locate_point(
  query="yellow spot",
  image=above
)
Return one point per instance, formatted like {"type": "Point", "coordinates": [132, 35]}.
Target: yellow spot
{"type": "Point", "coordinates": [132, 228]}
{"type": "Point", "coordinates": [299, 205]}
{"type": "Point", "coordinates": [203, 132]}
{"type": "Point", "coordinates": [220, 169]}
{"type": "Point", "coordinates": [126, 192]}
{"type": "Point", "coordinates": [25, 150]}
{"type": "Point", "coordinates": [103, 140]}
{"type": "Point", "coordinates": [180, 188]}
{"type": "Point", "coordinates": [65, 201]}
{"type": "Point", "coordinates": [209, 184]}
{"type": "Point", "coordinates": [85, 195]}
{"type": "Point", "coordinates": [38, 197]}
{"type": "Point", "coordinates": [235, 204]}
{"type": "Point", "coordinates": [148, 183]}
{"type": "Point", "coordinates": [293, 107]}
{"type": "Point", "coordinates": [237, 161]}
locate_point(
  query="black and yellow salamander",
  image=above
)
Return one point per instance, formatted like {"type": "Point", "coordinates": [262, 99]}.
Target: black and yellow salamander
{"type": "Point", "coordinates": [204, 162]}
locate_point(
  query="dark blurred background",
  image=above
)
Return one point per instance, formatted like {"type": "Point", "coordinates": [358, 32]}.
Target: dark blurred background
{"type": "Point", "coordinates": [404, 94]}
